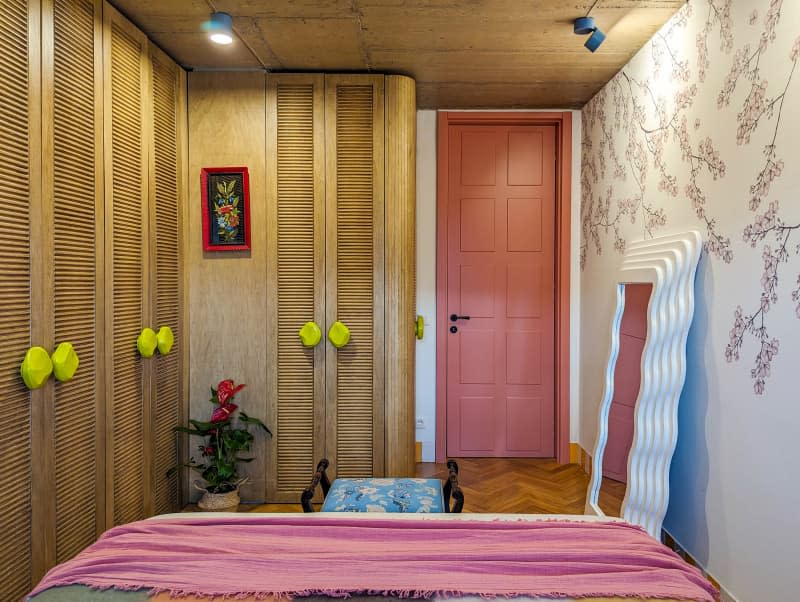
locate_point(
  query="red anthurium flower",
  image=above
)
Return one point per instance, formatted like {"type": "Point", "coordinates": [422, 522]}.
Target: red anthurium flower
{"type": "Point", "coordinates": [223, 412]}
{"type": "Point", "coordinates": [226, 390]}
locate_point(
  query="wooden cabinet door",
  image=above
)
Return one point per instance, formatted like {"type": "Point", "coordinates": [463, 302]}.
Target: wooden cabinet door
{"type": "Point", "coordinates": [128, 459]}
{"type": "Point", "coordinates": [166, 201]}
{"type": "Point", "coordinates": [15, 300]}
{"type": "Point", "coordinates": [354, 269]}
{"type": "Point", "coordinates": [73, 193]}
{"type": "Point", "coordinates": [295, 155]}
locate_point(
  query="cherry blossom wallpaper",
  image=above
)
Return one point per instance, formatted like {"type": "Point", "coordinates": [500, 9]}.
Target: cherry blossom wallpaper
{"type": "Point", "coordinates": [700, 131]}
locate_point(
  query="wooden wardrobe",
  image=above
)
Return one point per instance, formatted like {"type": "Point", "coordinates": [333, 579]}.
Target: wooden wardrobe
{"type": "Point", "coordinates": [92, 145]}
{"type": "Point", "coordinates": [333, 196]}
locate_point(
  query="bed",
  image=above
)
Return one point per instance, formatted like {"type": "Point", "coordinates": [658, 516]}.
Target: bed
{"type": "Point", "coordinates": [372, 558]}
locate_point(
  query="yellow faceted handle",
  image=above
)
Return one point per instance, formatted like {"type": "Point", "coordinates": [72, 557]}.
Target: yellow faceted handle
{"type": "Point", "coordinates": [339, 334]}
{"type": "Point", "coordinates": [419, 327]}
{"type": "Point", "coordinates": [147, 342]}
{"type": "Point", "coordinates": [36, 368]}
{"type": "Point", "coordinates": [165, 339]}
{"type": "Point", "coordinates": [310, 334]}
{"type": "Point", "coordinates": [65, 362]}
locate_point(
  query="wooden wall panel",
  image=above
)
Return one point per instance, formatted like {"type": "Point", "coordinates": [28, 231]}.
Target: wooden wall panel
{"type": "Point", "coordinates": [312, 263]}
{"type": "Point", "coordinates": [74, 189]}
{"type": "Point", "coordinates": [228, 294]}
{"type": "Point", "coordinates": [355, 272]}
{"type": "Point", "coordinates": [127, 261]}
{"type": "Point", "coordinates": [400, 343]}
{"type": "Point", "coordinates": [15, 323]}
{"type": "Point", "coordinates": [296, 125]}
{"type": "Point", "coordinates": [166, 201]}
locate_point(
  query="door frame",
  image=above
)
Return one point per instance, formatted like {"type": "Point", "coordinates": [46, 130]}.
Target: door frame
{"type": "Point", "coordinates": [562, 121]}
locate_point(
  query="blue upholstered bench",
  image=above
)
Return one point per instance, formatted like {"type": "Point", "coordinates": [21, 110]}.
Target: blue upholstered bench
{"type": "Point", "coordinates": [386, 494]}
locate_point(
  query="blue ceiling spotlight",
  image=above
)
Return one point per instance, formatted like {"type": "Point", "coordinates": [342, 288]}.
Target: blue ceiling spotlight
{"type": "Point", "coordinates": [586, 25]}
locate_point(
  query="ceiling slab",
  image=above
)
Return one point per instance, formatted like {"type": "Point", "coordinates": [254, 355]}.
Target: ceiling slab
{"type": "Point", "coordinates": [462, 53]}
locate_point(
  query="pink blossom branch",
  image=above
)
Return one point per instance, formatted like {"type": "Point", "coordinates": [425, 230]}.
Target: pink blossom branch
{"type": "Point", "coordinates": [754, 324]}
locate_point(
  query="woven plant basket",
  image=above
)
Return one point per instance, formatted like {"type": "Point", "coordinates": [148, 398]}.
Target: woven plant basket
{"type": "Point", "coordinates": [218, 502]}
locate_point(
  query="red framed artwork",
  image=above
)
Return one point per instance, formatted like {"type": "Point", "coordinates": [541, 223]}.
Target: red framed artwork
{"type": "Point", "coordinates": [226, 208]}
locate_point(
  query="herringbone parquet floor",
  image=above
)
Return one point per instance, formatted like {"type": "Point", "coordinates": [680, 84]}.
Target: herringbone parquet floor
{"type": "Point", "coordinates": [510, 485]}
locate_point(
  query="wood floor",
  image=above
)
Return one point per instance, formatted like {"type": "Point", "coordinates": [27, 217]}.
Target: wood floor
{"type": "Point", "coordinates": [509, 485]}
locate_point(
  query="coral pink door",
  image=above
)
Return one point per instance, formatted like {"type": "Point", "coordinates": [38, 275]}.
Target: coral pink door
{"type": "Point", "coordinates": [627, 379]}
{"type": "Point", "coordinates": [501, 291]}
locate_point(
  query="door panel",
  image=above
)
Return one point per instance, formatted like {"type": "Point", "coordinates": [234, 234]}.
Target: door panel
{"type": "Point", "coordinates": [76, 191]}
{"type": "Point", "coordinates": [166, 202]}
{"type": "Point", "coordinates": [354, 267]}
{"type": "Point", "coordinates": [127, 260]}
{"type": "Point", "coordinates": [501, 274]}
{"type": "Point", "coordinates": [298, 168]}
{"type": "Point", "coordinates": [15, 319]}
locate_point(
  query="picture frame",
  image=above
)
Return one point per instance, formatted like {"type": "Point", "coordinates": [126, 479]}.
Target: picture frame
{"type": "Point", "coordinates": [225, 209]}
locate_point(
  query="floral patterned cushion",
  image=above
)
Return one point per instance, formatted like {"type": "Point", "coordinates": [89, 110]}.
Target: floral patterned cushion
{"type": "Point", "coordinates": [384, 495]}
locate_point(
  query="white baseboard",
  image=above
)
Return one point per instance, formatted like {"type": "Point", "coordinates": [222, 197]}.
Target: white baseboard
{"type": "Point", "coordinates": [670, 541]}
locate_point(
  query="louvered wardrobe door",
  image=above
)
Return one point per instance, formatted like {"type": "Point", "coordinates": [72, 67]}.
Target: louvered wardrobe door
{"type": "Point", "coordinates": [126, 258]}
{"type": "Point", "coordinates": [354, 144]}
{"type": "Point", "coordinates": [166, 199]}
{"type": "Point", "coordinates": [74, 189]}
{"type": "Point", "coordinates": [15, 435]}
{"type": "Point", "coordinates": [296, 166]}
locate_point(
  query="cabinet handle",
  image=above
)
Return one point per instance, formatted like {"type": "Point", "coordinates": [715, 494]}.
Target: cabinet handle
{"type": "Point", "coordinates": [339, 334]}
{"type": "Point", "coordinates": [310, 334]}
{"type": "Point", "coordinates": [419, 327]}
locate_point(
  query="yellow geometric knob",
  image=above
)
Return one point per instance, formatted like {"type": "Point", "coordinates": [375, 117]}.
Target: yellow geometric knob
{"type": "Point", "coordinates": [339, 334]}
{"type": "Point", "coordinates": [419, 327]}
{"type": "Point", "coordinates": [165, 340]}
{"type": "Point", "coordinates": [65, 361]}
{"type": "Point", "coordinates": [147, 342]}
{"type": "Point", "coordinates": [310, 334]}
{"type": "Point", "coordinates": [36, 367]}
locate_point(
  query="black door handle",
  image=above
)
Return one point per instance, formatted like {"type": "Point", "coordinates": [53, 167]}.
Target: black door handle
{"type": "Point", "coordinates": [454, 317]}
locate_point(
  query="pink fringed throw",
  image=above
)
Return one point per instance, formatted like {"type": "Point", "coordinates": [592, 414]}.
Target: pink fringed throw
{"type": "Point", "coordinates": [338, 556]}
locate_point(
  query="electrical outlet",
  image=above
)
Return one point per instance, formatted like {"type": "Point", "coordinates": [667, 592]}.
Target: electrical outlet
{"type": "Point", "coordinates": [420, 422]}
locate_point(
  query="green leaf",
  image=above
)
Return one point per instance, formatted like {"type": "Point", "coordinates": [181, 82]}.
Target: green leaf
{"type": "Point", "coordinates": [221, 188]}
{"type": "Point", "coordinates": [254, 421]}
{"type": "Point", "coordinates": [183, 429]}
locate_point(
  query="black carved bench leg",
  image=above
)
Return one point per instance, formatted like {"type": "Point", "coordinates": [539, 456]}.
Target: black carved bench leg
{"type": "Point", "coordinates": [321, 478]}
{"type": "Point", "coordinates": [451, 488]}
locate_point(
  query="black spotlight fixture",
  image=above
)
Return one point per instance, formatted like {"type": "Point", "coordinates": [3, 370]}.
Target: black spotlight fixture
{"type": "Point", "coordinates": [586, 25]}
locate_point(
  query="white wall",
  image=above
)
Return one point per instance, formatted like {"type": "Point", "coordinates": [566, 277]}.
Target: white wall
{"type": "Point", "coordinates": [682, 138]}
{"type": "Point", "coordinates": [426, 280]}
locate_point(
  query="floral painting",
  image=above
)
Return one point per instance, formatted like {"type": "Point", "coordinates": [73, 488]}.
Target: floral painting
{"type": "Point", "coordinates": [226, 209]}
{"type": "Point", "coordinates": [697, 132]}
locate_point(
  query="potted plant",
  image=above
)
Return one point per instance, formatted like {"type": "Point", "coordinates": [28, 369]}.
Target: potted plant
{"type": "Point", "coordinates": [223, 442]}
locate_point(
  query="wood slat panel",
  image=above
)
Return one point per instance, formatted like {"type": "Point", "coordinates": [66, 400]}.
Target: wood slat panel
{"type": "Point", "coordinates": [400, 293]}
{"type": "Point", "coordinates": [15, 449]}
{"type": "Point", "coordinates": [166, 198]}
{"type": "Point", "coordinates": [75, 302]}
{"type": "Point", "coordinates": [127, 260]}
{"type": "Point", "coordinates": [357, 434]}
{"type": "Point", "coordinates": [297, 285]}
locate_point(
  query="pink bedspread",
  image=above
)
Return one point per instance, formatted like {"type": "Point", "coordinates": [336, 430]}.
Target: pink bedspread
{"type": "Point", "coordinates": [285, 557]}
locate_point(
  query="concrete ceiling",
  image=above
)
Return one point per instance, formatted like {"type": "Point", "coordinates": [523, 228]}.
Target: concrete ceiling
{"type": "Point", "coordinates": [462, 54]}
